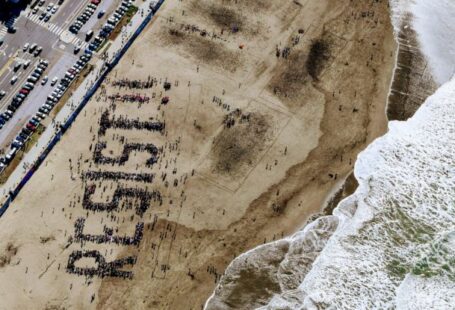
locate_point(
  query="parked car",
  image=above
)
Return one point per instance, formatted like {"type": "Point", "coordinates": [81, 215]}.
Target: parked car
{"type": "Point", "coordinates": [41, 115]}
{"type": "Point", "coordinates": [7, 113]}
{"type": "Point", "coordinates": [88, 35]}
{"type": "Point", "coordinates": [32, 47]}
{"type": "Point", "coordinates": [30, 126]}
{"type": "Point", "coordinates": [43, 110]}
{"type": "Point", "coordinates": [32, 79]}
{"type": "Point", "coordinates": [34, 122]}
{"type": "Point", "coordinates": [38, 51]}
{"type": "Point", "coordinates": [17, 66]}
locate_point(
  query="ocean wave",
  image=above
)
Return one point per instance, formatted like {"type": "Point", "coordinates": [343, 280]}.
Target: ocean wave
{"type": "Point", "coordinates": [405, 199]}
{"type": "Point", "coordinates": [392, 243]}
{"type": "Point", "coordinates": [434, 24]}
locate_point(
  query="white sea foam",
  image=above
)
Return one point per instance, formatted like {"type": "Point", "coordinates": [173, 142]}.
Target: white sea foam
{"type": "Point", "coordinates": [394, 246]}
{"type": "Point", "coordinates": [435, 26]}
{"type": "Point", "coordinates": [405, 206]}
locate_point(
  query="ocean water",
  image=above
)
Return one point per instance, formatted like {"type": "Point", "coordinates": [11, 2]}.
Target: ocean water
{"type": "Point", "coordinates": [435, 26]}
{"type": "Point", "coordinates": [398, 248]}
{"type": "Point", "coordinates": [391, 245]}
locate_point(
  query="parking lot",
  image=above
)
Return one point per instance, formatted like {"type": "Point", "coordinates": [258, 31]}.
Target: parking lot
{"type": "Point", "coordinates": [57, 45]}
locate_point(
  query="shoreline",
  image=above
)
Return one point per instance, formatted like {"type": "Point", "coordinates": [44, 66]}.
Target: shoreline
{"type": "Point", "coordinates": [312, 217]}
{"type": "Point", "coordinates": [338, 193]}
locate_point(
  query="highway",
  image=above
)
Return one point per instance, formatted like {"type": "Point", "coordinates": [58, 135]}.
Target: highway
{"type": "Point", "coordinates": [58, 48]}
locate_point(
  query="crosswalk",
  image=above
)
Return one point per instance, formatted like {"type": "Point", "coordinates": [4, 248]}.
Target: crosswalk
{"type": "Point", "coordinates": [49, 26]}
{"type": "Point", "coordinates": [3, 31]}
{"type": "Point", "coordinates": [56, 30]}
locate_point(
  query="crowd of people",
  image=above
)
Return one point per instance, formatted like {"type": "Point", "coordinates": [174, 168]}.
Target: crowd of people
{"type": "Point", "coordinates": [135, 84]}
{"type": "Point", "coordinates": [117, 176]}
{"type": "Point", "coordinates": [129, 98]}
{"type": "Point", "coordinates": [103, 269]}
{"type": "Point", "coordinates": [219, 102]}
{"type": "Point", "coordinates": [99, 158]}
{"type": "Point", "coordinates": [236, 116]}
{"type": "Point", "coordinates": [122, 197]}
{"type": "Point", "coordinates": [123, 123]}
{"type": "Point", "coordinates": [145, 198]}
{"type": "Point", "coordinates": [108, 236]}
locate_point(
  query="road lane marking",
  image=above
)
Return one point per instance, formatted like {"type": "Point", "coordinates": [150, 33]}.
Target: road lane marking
{"type": "Point", "coordinates": [8, 63]}
{"type": "Point", "coordinates": [3, 30]}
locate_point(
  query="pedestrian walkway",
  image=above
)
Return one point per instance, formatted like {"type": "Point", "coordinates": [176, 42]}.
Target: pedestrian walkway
{"type": "Point", "coordinates": [49, 26]}
{"type": "Point", "coordinates": [69, 37]}
{"type": "Point", "coordinates": [10, 22]}
{"type": "Point", "coordinates": [3, 31]}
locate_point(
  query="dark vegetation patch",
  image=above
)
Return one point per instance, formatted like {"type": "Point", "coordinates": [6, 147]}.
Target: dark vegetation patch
{"type": "Point", "coordinates": [253, 5]}
{"type": "Point", "coordinates": [299, 67]}
{"type": "Point", "coordinates": [203, 48]}
{"type": "Point", "coordinates": [319, 54]}
{"type": "Point", "coordinates": [240, 142]}
{"type": "Point", "coordinates": [221, 15]}
{"type": "Point", "coordinates": [225, 17]}
{"type": "Point", "coordinates": [9, 252]}
{"type": "Point", "coordinates": [292, 77]}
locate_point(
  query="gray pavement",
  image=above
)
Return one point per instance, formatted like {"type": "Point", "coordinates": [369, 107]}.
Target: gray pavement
{"type": "Point", "coordinates": [73, 102]}
{"type": "Point", "coordinates": [58, 52]}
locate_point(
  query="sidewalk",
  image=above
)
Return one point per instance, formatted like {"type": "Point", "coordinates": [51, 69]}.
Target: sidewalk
{"type": "Point", "coordinates": [75, 100]}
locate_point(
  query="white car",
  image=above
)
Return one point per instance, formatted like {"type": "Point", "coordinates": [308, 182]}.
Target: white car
{"type": "Point", "coordinates": [2, 94]}
{"type": "Point", "coordinates": [26, 63]}
{"type": "Point", "coordinates": [41, 115]}
{"type": "Point", "coordinates": [44, 80]}
{"type": "Point", "coordinates": [54, 9]}
{"type": "Point", "coordinates": [49, 7]}
{"type": "Point", "coordinates": [25, 48]}
{"type": "Point", "coordinates": [54, 81]}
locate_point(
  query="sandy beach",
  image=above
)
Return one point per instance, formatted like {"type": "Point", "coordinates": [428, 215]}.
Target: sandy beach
{"type": "Point", "coordinates": [254, 113]}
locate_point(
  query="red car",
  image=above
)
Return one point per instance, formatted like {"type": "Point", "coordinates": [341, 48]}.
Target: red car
{"type": "Point", "coordinates": [96, 2]}
{"type": "Point", "coordinates": [30, 127]}
{"type": "Point", "coordinates": [24, 91]}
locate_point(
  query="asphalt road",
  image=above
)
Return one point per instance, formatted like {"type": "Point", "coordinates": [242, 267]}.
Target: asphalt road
{"type": "Point", "coordinates": [58, 45]}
